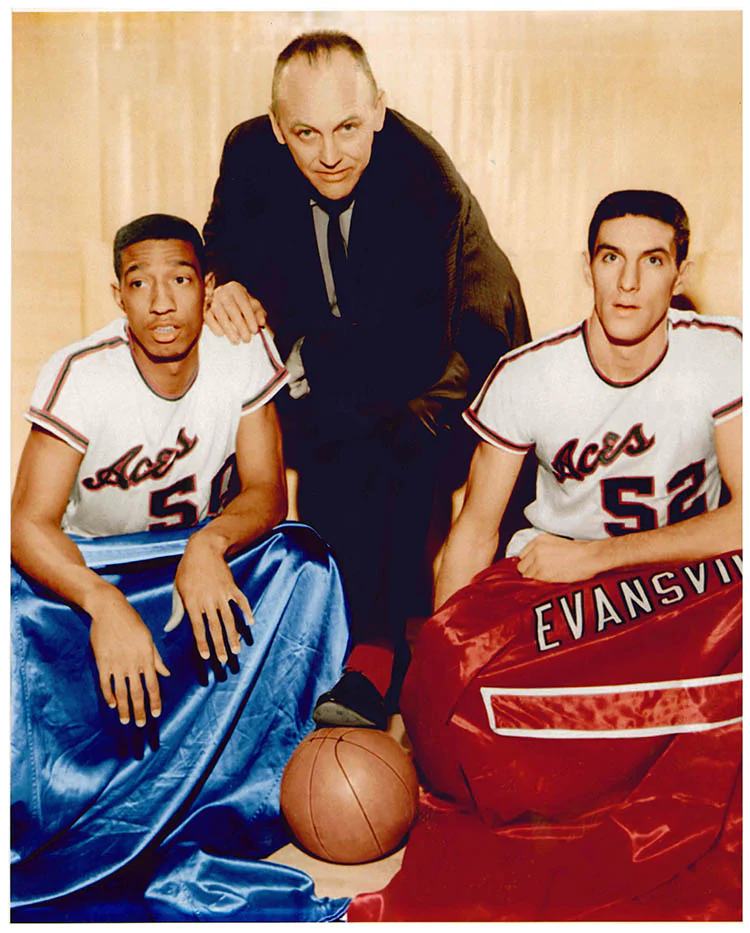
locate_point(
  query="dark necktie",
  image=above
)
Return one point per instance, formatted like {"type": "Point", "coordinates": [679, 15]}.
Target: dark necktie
{"type": "Point", "coordinates": [337, 251]}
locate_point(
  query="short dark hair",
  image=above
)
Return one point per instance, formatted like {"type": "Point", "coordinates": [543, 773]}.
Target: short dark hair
{"type": "Point", "coordinates": [641, 203]}
{"type": "Point", "coordinates": [157, 227]}
{"type": "Point", "coordinates": [315, 44]}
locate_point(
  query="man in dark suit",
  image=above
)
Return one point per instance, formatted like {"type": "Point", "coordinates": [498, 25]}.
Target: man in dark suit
{"type": "Point", "coordinates": [390, 302]}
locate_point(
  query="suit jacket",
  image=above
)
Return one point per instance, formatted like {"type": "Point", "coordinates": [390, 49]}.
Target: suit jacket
{"type": "Point", "coordinates": [433, 291]}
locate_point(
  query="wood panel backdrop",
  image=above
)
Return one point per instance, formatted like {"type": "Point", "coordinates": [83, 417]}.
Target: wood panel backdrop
{"type": "Point", "coordinates": [120, 114]}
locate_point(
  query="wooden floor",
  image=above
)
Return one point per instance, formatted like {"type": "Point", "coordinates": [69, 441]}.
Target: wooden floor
{"type": "Point", "coordinates": [347, 880]}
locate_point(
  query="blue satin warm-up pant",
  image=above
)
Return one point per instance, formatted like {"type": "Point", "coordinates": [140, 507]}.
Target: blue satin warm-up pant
{"type": "Point", "coordinates": [168, 822]}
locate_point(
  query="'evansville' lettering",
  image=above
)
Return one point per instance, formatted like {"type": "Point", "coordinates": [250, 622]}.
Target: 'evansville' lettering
{"type": "Point", "coordinates": [593, 607]}
{"type": "Point", "coordinates": [120, 472]}
{"type": "Point", "coordinates": [567, 464]}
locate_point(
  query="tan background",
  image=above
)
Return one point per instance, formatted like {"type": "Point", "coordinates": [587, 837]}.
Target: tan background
{"type": "Point", "coordinates": [119, 114]}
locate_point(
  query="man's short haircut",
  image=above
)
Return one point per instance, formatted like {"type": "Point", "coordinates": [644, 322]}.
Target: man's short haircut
{"type": "Point", "coordinates": [157, 227]}
{"type": "Point", "coordinates": [640, 203]}
{"type": "Point", "coordinates": [315, 44]}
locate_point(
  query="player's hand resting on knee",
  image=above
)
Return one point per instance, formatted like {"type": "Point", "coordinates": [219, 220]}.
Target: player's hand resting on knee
{"type": "Point", "coordinates": [206, 587]}
{"type": "Point", "coordinates": [233, 312]}
{"type": "Point", "coordinates": [126, 658]}
{"type": "Point", "coordinates": [559, 560]}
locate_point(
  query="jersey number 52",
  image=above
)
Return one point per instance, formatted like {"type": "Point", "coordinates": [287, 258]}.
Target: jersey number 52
{"type": "Point", "coordinates": [624, 497]}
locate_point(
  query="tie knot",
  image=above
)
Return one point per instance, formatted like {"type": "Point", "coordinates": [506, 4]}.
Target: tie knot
{"type": "Point", "coordinates": [334, 208]}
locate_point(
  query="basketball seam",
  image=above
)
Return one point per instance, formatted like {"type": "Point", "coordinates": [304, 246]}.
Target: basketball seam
{"type": "Point", "coordinates": [310, 797]}
{"type": "Point", "coordinates": [382, 760]}
{"type": "Point", "coordinates": [356, 797]}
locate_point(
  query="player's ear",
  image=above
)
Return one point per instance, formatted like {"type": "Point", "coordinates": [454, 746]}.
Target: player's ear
{"type": "Point", "coordinates": [209, 283]}
{"type": "Point", "coordinates": [276, 128]}
{"type": "Point", "coordinates": [117, 295]}
{"type": "Point", "coordinates": [587, 269]}
{"type": "Point", "coordinates": [683, 276]}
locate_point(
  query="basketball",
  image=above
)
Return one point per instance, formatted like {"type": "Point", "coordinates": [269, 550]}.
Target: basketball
{"type": "Point", "coordinates": [349, 795]}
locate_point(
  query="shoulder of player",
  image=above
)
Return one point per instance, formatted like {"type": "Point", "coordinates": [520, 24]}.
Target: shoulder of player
{"type": "Point", "coordinates": [691, 329]}
{"type": "Point", "coordinates": [220, 351]}
{"type": "Point", "coordinates": [92, 350]}
{"type": "Point", "coordinates": [535, 353]}
{"type": "Point", "coordinates": [535, 366]}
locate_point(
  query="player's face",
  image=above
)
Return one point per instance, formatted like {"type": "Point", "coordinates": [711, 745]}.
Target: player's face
{"type": "Point", "coordinates": [328, 115]}
{"type": "Point", "coordinates": [162, 292]}
{"type": "Point", "coordinates": [634, 275]}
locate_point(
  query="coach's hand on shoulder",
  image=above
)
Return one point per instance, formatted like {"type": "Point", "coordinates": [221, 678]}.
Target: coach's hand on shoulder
{"type": "Point", "coordinates": [559, 560]}
{"type": "Point", "coordinates": [233, 312]}
{"type": "Point", "coordinates": [125, 653]}
{"type": "Point", "coordinates": [207, 589]}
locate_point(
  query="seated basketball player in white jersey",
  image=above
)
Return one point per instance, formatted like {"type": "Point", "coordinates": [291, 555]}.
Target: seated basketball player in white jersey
{"type": "Point", "coordinates": [84, 468]}
{"type": "Point", "coordinates": [634, 416]}
{"type": "Point", "coordinates": [154, 425]}
{"type": "Point", "coordinates": [615, 618]}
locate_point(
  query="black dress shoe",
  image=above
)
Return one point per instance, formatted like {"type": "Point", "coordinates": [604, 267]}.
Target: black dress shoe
{"type": "Point", "coordinates": [354, 701]}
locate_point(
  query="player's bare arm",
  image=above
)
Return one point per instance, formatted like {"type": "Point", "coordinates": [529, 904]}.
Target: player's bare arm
{"type": "Point", "coordinates": [234, 313]}
{"type": "Point", "coordinates": [556, 559]}
{"type": "Point", "coordinates": [204, 580]}
{"type": "Point", "coordinates": [473, 539]}
{"type": "Point", "coordinates": [121, 642]}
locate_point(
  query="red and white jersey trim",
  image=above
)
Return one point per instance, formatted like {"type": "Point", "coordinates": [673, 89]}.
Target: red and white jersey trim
{"type": "Point", "coordinates": [491, 437]}
{"type": "Point", "coordinates": [617, 711]}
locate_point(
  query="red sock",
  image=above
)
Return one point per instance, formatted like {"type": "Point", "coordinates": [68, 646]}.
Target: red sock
{"type": "Point", "coordinates": [374, 660]}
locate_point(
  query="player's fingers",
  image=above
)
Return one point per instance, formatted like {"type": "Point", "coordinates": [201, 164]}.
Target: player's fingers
{"type": "Point", "coordinates": [152, 689]}
{"type": "Point", "coordinates": [525, 564]}
{"type": "Point", "coordinates": [216, 631]}
{"type": "Point", "coordinates": [528, 558]}
{"type": "Point", "coordinates": [137, 699]}
{"type": "Point", "coordinates": [230, 628]}
{"type": "Point", "coordinates": [159, 664]}
{"type": "Point", "coordinates": [121, 695]}
{"type": "Point", "coordinates": [244, 605]}
{"type": "Point", "coordinates": [199, 633]}
{"type": "Point", "coordinates": [105, 683]}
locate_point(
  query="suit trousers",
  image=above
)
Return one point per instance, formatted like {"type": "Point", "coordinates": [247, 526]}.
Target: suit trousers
{"type": "Point", "coordinates": [370, 497]}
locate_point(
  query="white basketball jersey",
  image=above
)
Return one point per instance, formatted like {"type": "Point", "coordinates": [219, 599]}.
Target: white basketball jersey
{"type": "Point", "coordinates": [151, 462]}
{"type": "Point", "coordinates": [615, 458]}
